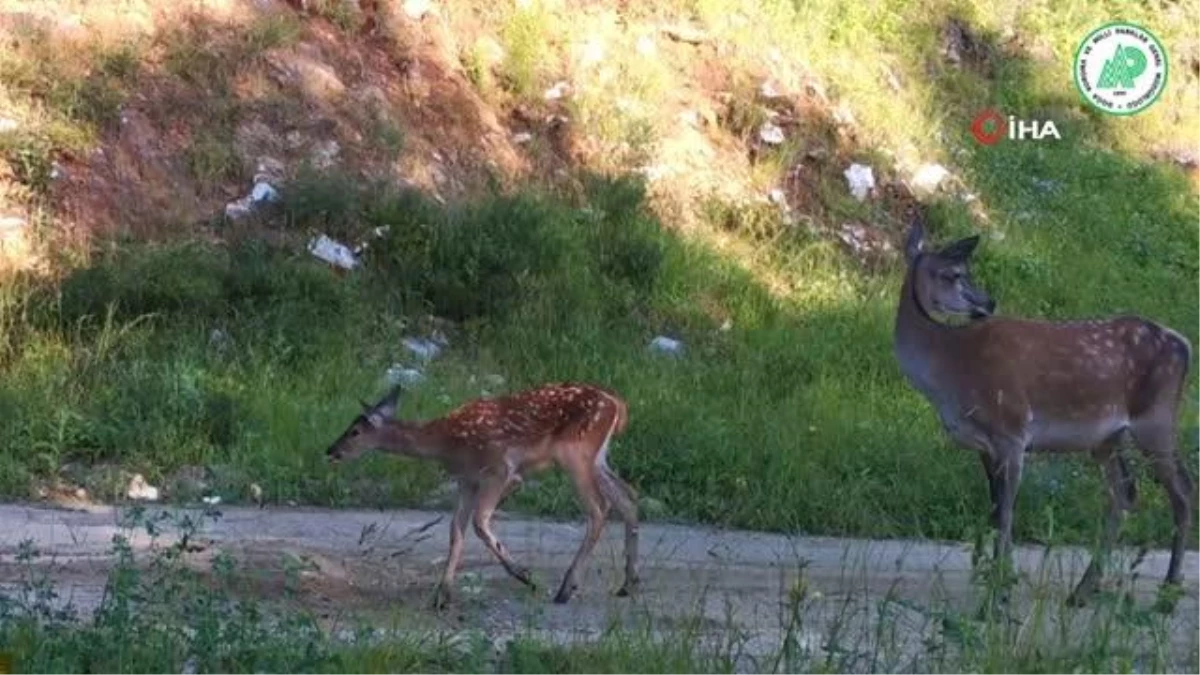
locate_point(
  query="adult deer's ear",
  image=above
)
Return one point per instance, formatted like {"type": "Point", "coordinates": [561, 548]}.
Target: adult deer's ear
{"type": "Point", "coordinates": [960, 250]}
{"type": "Point", "coordinates": [915, 242]}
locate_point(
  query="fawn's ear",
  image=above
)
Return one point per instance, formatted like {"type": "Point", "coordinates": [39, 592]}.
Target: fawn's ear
{"type": "Point", "coordinates": [915, 242]}
{"type": "Point", "coordinates": [384, 410]}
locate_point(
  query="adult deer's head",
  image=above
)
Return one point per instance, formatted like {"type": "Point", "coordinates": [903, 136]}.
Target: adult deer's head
{"type": "Point", "coordinates": [363, 434]}
{"type": "Point", "coordinates": [942, 279]}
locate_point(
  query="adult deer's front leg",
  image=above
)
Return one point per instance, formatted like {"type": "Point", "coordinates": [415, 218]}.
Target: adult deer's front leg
{"type": "Point", "coordinates": [990, 470]}
{"type": "Point", "coordinates": [1008, 463]}
{"type": "Point", "coordinates": [1008, 477]}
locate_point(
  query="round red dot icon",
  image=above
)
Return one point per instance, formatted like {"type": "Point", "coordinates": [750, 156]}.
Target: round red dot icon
{"type": "Point", "coordinates": [989, 127]}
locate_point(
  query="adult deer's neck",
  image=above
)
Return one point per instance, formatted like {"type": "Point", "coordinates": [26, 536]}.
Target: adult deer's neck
{"type": "Point", "coordinates": [921, 342]}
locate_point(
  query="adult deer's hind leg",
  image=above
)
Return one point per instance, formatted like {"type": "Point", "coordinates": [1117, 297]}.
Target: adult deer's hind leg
{"type": "Point", "coordinates": [1156, 438]}
{"type": "Point", "coordinates": [1122, 493]}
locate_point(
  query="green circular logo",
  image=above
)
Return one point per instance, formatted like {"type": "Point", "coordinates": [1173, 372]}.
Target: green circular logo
{"type": "Point", "coordinates": [1121, 68]}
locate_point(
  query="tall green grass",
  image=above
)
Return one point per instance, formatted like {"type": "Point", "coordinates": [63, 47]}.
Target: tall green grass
{"type": "Point", "coordinates": [247, 360]}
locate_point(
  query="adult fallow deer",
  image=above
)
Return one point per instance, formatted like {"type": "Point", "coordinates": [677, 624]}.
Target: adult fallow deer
{"type": "Point", "coordinates": [1006, 386]}
{"type": "Point", "coordinates": [489, 445]}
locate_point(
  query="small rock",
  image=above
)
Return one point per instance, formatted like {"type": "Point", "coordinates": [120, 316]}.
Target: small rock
{"type": "Point", "coordinates": [692, 118]}
{"type": "Point", "coordinates": [522, 137]}
{"type": "Point", "coordinates": [928, 178]}
{"type": "Point", "coordinates": [816, 90]}
{"type": "Point", "coordinates": [333, 252]}
{"type": "Point", "coordinates": [417, 9]}
{"type": "Point", "coordinates": [768, 90]}
{"type": "Point", "coordinates": [80, 493]}
{"type": "Point", "coordinates": [666, 345]}
{"type": "Point", "coordinates": [778, 197]}
{"type": "Point", "coordinates": [771, 134]}
{"type": "Point", "coordinates": [1184, 158]}
{"type": "Point", "coordinates": [325, 154]}
{"type": "Point", "coordinates": [239, 209]}
{"type": "Point", "coordinates": [8, 124]}
{"type": "Point", "coordinates": [843, 116]}
{"type": "Point", "coordinates": [398, 374]}
{"type": "Point", "coordinates": [654, 172]}
{"type": "Point", "coordinates": [263, 192]}
{"type": "Point", "coordinates": [269, 170]}
{"type": "Point", "coordinates": [10, 224]}
{"type": "Point", "coordinates": [560, 90]}
{"type": "Point", "coordinates": [422, 348]}
{"type": "Point", "coordinates": [893, 81]}
{"type": "Point", "coordinates": [863, 240]}
{"type": "Point", "coordinates": [593, 52]}
{"type": "Point", "coordinates": [140, 490]}
{"type": "Point", "coordinates": [861, 180]}
{"type": "Point", "coordinates": [688, 34]}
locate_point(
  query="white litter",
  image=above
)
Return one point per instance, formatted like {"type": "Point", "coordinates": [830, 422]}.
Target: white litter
{"type": "Point", "coordinates": [333, 252]}
{"type": "Point", "coordinates": [860, 179]}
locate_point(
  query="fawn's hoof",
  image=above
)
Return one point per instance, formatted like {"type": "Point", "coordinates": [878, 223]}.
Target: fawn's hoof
{"type": "Point", "coordinates": [564, 594]}
{"type": "Point", "coordinates": [628, 588]}
{"type": "Point", "coordinates": [442, 598]}
{"type": "Point", "coordinates": [523, 575]}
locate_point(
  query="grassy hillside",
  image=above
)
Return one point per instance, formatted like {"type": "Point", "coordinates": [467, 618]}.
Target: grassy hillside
{"type": "Point", "coordinates": [232, 358]}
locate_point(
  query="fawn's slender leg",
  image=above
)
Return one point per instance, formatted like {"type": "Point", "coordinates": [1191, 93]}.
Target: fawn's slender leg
{"type": "Point", "coordinates": [491, 493]}
{"type": "Point", "coordinates": [595, 507]}
{"type": "Point", "coordinates": [467, 496]}
{"type": "Point", "coordinates": [623, 498]}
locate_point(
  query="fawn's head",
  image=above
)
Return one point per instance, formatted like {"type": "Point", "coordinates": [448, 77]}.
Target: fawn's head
{"type": "Point", "coordinates": [363, 434]}
{"type": "Point", "coordinates": [942, 279]}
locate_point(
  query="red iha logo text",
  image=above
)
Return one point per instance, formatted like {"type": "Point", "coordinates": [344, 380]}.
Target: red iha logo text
{"type": "Point", "coordinates": [990, 126]}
